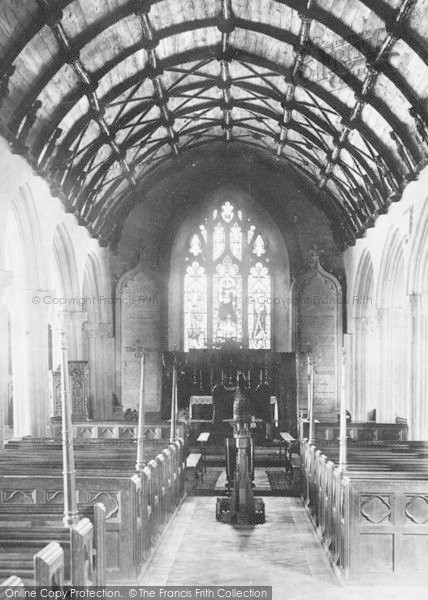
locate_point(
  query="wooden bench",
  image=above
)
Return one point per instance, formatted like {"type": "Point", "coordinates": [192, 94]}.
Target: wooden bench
{"type": "Point", "coordinates": [11, 582]}
{"type": "Point", "coordinates": [364, 431]}
{"type": "Point", "coordinates": [34, 516]}
{"type": "Point", "coordinates": [373, 517]}
{"type": "Point", "coordinates": [45, 568]}
{"type": "Point", "coordinates": [193, 462]}
{"type": "Point", "coordinates": [118, 493]}
{"type": "Point", "coordinates": [203, 440]}
{"type": "Point", "coordinates": [99, 472]}
{"type": "Point", "coordinates": [19, 544]}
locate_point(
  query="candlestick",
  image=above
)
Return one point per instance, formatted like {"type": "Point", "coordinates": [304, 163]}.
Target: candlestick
{"type": "Point", "coordinates": [71, 516]}
{"type": "Point", "coordinates": [140, 439]}
{"type": "Point", "coordinates": [342, 435]}
{"type": "Point", "coordinates": [311, 400]}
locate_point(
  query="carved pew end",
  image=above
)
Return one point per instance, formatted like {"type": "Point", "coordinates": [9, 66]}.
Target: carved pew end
{"type": "Point", "coordinates": [49, 566]}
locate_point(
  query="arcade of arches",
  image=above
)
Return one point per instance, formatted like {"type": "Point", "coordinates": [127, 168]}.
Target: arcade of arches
{"type": "Point", "coordinates": [51, 265]}
{"type": "Point", "coordinates": [236, 186]}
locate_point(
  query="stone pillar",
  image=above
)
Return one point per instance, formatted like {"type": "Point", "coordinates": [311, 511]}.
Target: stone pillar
{"type": "Point", "coordinates": [385, 359]}
{"type": "Point", "coordinates": [37, 398]}
{"type": "Point", "coordinates": [5, 283]}
{"type": "Point", "coordinates": [422, 375]}
{"type": "Point", "coordinates": [374, 373]}
{"type": "Point", "coordinates": [366, 366]}
{"type": "Point", "coordinates": [101, 369]}
{"type": "Point", "coordinates": [343, 405]}
{"type": "Point", "coordinates": [416, 366]}
{"type": "Point", "coordinates": [76, 319]}
{"type": "Point", "coordinates": [108, 346]}
{"type": "Point", "coordinates": [91, 331]}
{"type": "Point", "coordinates": [71, 516]}
{"type": "Point", "coordinates": [355, 364]}
{"type": "Point", "coordinates": [352, 359]}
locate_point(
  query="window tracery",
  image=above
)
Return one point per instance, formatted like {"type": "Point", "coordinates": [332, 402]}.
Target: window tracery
{"type": "Point", "coordinates": [227, 283]}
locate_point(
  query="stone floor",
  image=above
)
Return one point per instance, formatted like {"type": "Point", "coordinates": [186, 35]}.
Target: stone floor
{"type": "Point", "coordinates": [283, 553]}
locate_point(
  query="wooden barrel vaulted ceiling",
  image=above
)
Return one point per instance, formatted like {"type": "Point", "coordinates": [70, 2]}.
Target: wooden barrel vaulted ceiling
{"type": "Point", "coordinates": [101, 94]}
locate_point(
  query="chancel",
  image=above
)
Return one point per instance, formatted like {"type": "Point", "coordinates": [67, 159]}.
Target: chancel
{"type": "Point", "coordinates": [214, 295]}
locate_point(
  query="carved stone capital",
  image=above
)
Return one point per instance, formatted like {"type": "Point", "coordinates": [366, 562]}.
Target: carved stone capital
{"type": "Point", "coordinates": [414, 302]}
{"type": "Point", "coordinates": [103, 330]}
{"type": "Point", "coordinates": [78, 317]}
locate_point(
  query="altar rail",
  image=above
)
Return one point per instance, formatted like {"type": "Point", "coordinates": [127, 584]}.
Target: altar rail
{"type": "Point", "coordinates": [372, 518]}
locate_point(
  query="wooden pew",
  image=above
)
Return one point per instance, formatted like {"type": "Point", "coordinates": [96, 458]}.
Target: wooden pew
{"type": "Point", "coordinates": [118, 493]}
{"type": "Point", "coordinates": [45, 568]}
{"type": "Point", "coordinates": [49, 566]}
{"type": "Point", "coordinates": [17, 516]}
{"type": "Point", "coordinates": [11, 582]}
{"type": "Point", "coordinates": [76, 542]}
{"type": "Point", "coordinates": [163, 490]}
{"type": "Point", "coordinates": [363, 459]}
{"type": "Point", "coordinates": [367, 431]}
{"type": "Point", "coordinates": [373, 515]}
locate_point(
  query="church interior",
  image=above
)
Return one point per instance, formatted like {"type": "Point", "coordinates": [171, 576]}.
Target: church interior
{"type": "Point", "coordinates": [214, 295]}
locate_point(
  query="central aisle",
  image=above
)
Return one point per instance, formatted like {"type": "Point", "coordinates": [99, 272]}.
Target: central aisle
{"type": "Point", "coordinates": [284, 553]}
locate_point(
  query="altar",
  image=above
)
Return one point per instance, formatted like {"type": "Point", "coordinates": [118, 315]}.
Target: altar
{"type": "Point", "coordinates": [208, 414]}
{"type": "Point", "coordinates": [207, 380]}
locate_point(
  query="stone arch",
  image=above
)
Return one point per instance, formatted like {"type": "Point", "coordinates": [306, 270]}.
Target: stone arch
{"type": "Point", "coordinates": [418, 263]}
{"type": "Point", "coordinates": [66, 264]}
{"type": "Point", "coordinates": [29, 315]}
{"type": "Point", "coordinates": [25, 228]}
{"type": "Point", "coordinates": [391, 284]}
{"type": "Point", "coordinates": [93, 298]}
{"type": "Point", "coordinates": [68, 297]}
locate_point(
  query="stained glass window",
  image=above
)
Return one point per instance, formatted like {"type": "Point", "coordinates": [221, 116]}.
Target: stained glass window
{"type": "Point", "coordinates": [227, 257]}
{"type": "Point", "coordinates": [259, 310]}
{"type": "Point", "coordinates": [195, 306]}
{"type": "Point", "coordinates": [227, 300]}
{"type": "Point", "coordinates": [236, 241]}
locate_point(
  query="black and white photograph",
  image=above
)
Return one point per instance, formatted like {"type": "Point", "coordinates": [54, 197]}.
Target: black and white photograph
{"type": "Point", "coordinates": [213, 299]}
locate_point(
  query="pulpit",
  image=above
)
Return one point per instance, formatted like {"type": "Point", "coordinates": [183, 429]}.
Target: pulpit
{"type": "Point", "coordinates": [78, 373]}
